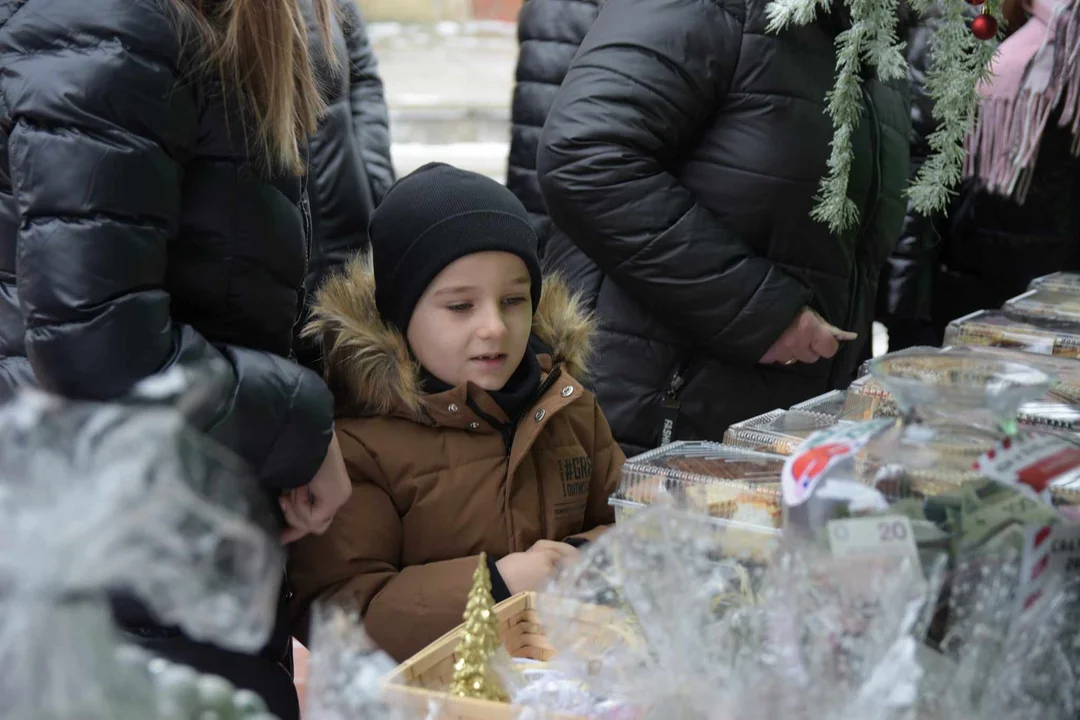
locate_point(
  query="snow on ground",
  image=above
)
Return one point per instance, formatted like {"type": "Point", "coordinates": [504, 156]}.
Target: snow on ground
{"type": "Point", "coordinates": [486, 158]}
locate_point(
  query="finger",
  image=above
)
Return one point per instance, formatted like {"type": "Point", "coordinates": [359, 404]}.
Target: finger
{"type": "Point", "coordinates": [296, 517]}
{"type": "Point", "coordinates": [565, 550]}
{"type": "Point", "coordinates": [569, 556]}
{"type": "Point", "coordinates": [824, 344]}
{"type": "Point", "coordinates": [844, 335]}
{"type": "Point", "coordinates": [805, 354]}
{"type": "Point", "coordinates": [321, 529]}
{"type": "Point", "coordinates": [321, 517]}
{"type": "Point", "coordinates": [542, 544]}
{"type": "Point", "coordinates": [291, 535]}
{"type": "Point", "coordinates": [558, 560]}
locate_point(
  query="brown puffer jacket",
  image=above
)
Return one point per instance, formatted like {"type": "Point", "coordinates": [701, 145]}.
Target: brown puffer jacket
{"type": "Point", "coordinates": [433, 485]}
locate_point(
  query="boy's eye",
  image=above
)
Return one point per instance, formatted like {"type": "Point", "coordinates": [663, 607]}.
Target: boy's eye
{"type": "Point", "coordinates": [514, 300]}
{"type": "Point", "coordinates": [459, 307]}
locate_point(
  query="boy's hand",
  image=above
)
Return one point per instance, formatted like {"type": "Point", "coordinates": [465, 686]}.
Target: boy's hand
{"type": "Point", "coordinates": [524, 571]}
{"type": "Point", "coordinates": [311, 508]}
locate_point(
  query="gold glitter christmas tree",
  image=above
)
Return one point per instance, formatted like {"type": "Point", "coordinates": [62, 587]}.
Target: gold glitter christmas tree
{"type": "Point", "coordinates": [473, 677]}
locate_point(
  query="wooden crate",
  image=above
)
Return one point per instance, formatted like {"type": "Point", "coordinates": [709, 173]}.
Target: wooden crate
{"type": "Point", "coordinates": [424, 678]}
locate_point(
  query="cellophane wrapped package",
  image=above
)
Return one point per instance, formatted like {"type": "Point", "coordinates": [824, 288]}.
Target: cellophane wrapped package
{"type": "Point", "coordinates": [346, 670]}
{"type": "Point", "coordinates": [99, 498]}
{"type": "Point", "coordinates": [655, 621]}
{"type": "Point", "coordinates": [911, 489]}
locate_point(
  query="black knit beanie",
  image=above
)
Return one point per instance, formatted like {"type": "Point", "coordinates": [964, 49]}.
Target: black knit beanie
{"type": "Point", "coordinates": [434, 216]}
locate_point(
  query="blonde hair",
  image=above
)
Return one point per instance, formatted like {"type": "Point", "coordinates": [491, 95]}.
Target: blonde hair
{"type": "Point", "coordinates": [260, 49]}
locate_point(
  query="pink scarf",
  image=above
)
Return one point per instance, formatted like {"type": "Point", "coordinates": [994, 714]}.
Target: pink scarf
{"type": "Point", "coordinates": [1036, 69]}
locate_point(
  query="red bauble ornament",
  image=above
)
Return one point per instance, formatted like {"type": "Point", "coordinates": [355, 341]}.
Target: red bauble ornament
{"type": "Point", "coordinates": [976, 2]}
{"type": "Point", "coordinates": [984, 27]}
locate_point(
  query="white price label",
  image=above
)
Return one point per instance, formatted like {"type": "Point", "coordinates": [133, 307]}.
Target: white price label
{"type": "Point", "coordinates": [888, 535]}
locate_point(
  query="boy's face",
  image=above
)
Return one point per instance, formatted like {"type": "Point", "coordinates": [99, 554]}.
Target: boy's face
{"type": "Point", "coordinates": [473, 321]}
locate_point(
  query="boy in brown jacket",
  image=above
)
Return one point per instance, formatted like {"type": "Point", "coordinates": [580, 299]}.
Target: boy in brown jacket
{"type": "Point", "coordinates": [463, 427]}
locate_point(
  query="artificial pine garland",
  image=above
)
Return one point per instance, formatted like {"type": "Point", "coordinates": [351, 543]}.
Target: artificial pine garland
{"type": "Point", "coordinates": [959, 60]}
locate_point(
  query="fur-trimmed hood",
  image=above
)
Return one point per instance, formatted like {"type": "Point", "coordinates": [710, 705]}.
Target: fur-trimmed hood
{"type": "Point", "coordinates": [367, 362]}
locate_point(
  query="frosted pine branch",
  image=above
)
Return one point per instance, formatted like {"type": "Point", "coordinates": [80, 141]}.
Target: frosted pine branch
{"type": "Point", "coordinates": [957, 58]}
{"type": "Point", "coordinates": [786, 13]}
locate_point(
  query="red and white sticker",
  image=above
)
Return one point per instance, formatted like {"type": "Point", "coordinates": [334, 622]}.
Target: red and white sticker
{"type": "Point", "coordinates": [822, 451]}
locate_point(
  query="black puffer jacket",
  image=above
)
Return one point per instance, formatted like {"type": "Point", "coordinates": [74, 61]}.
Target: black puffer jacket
{"type": "Point", "coordinates": [137, 237]}
{"type": "Point", "coordinates": [549, 33]}
{"type": "Point", "coordinates": [682, 157]}
{"type": "Point", "coordinates": [986, 248]}
{"type": "Point", "coordinates": [350, 163]}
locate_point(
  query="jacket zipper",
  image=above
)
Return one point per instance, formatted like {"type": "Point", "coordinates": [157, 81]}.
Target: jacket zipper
{"type": "Point", "coordinates": [671, 395]}
{"type": "Point", "coordinates": [308, 225]}
{"type": "Point", "coordinates": [670, 405]}
{"type": "Point", "coordinates": [507, 432]}
{"type": "Point", "coordinates": [550, 380]}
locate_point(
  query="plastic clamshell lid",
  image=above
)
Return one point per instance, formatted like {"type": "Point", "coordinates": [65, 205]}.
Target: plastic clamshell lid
{"type": "Point", "coordinates": [996, 329]}
{"type": "Point", "coordinates": [714, 479]}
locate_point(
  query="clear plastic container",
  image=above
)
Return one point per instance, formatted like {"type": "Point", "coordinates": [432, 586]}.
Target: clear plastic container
{"type": "Point", "coordinates": [994, 328]}
{"type": "Point", "coordinates": [704, 477]}
{"type": "Point", "coordinates": [960, 390]}
{"type": "Point", "coordinates": [1057, 411]}
{"type": "Point", "coordinates": [867, 400]}
{"type": "Point", "coordinates": [1046, 308]}
{"type": "Point", "coordinates": [1064, 372]}
{"type": "Point", "coordinates": [779, 432]}
{"type": "Point", "coordinates": [1051, 416]}
{"type": "Point", "coordinates": [831, 404]}
{"type": "Point", "coordinates": [955, 407]}
{"type": "Point", "coordinates": [1060, 281]}
{"type": "Point", "coordinates": [864, 369]}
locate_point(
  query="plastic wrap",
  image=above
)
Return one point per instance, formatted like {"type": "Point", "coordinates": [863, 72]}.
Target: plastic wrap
{"type": "Point", "coordinates": [991, 516]}
{"type": "Point", "coordinates": [97, 498]}
{"type": "Point", "coordinates": [688, 633]}
{"type": "Point", "coordinates": [653, 622]}
{"type": "Point", "coordinates": [346, 670]}
{"type": "Point", "coordinates": [994, 328]}
{"type": "Point", "coordinates": [721, 481]}
{"type": "Point", "coordinates": [778, 432]}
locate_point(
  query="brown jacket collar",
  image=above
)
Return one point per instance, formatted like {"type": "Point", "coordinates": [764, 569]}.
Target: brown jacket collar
{"type": "Point", "coordinates": [371, 371]}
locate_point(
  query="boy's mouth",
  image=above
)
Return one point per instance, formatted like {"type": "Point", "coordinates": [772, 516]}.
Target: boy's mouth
{"type": "Point", "coordinates": [491, 360]}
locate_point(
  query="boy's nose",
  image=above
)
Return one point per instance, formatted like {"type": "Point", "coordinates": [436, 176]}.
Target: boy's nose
{"type": "Point", "coordinates": [492, 325]}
